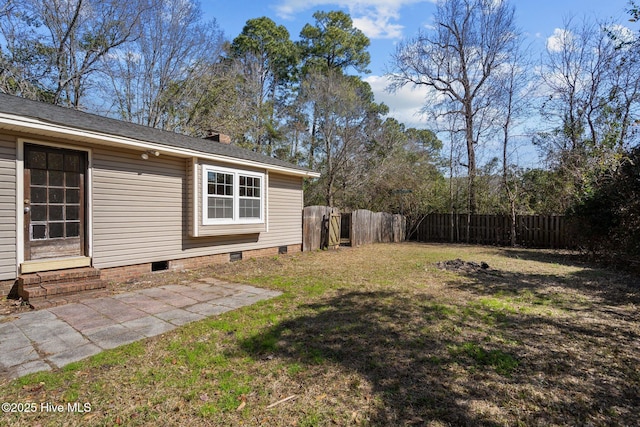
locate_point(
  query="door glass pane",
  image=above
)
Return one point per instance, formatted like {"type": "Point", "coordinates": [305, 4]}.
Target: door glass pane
{"type": "Point", "coordinates": [72, 163]}
{"type": "Point", "coordinates": [38, 231]}
{"type": "Point", "coordinates": [37, 160]}
{"type": "Point", "coordinates": [73, 229]}
{"type": "Point", "coordinates": [56, 161]}
{"type": "Point", "coordinates": [73, 179]}
{"type": "Point", "coordinates": [38, 212]}
{"type": "Point", "coordinates": [73, 196]}
{"type": "Point", "coordinates": [38, 177]}
{"type": "Point", "coordinates": [56, 195]}
{"type": "Point", "coordinates": [56, 178]}
{"type": "Point", "coordinates": [56, 230]}
{"type": "Point", "coordinates": [73, 213]}
{"type": "Point", "coordinates": [38, 194]}
{"type": "Point", "coordinates": [55, 213]}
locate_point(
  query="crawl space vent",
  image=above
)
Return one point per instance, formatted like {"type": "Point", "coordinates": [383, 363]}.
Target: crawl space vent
{"type": "Point", "coordinates": [159, 265]}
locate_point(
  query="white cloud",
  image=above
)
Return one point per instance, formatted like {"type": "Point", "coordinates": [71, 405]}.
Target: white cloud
{"type": "Point", "coordinates": [560, 39]}
{"type": "Point", "coordinates": [377, 19]}
{"type": "Point", "coordinates": [378, 27]}
{"type": "Point", "coordinates": [622, 34]}
{"type": "Point", "coordinates": [405, 105]}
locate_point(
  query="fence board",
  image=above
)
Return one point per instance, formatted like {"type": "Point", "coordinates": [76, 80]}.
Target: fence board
{"type": "Point", "coordinates": [364, 227]}
{"type": "Point", "coordinates": [315, 223]}
{"type": "Point", "coordinates": [539, 231]}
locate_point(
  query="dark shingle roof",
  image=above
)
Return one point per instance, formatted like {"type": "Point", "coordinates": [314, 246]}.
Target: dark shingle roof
{"type": "Point", "coordinates": [91, 122]}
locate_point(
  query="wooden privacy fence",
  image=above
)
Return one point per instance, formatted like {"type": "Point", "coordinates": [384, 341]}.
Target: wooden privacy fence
{"type": "Point", "coordinates": [315, 227]}
{"type": "Point", "coordinates": [535, 231]}
{"type": "Point", "coordinates": [324, 226]}
{"type": "Point", "coordinates": [376, 227]}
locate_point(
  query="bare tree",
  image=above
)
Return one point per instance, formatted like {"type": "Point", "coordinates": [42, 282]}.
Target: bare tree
{"type": "Point", "coordinates": [219, 103]}
{"type": "Point", "coordinates": [58, 44]}
{"type": "Point", "coordinates": [591, 85]}
{"type": "Point", "coordinates": [152, 77]}
{"type": "Point", "coordinates": [457, 60]}
{"type": "Point", "coordinates": [573, 73]}
{"type": "Point", "coordinates": [514, 102]}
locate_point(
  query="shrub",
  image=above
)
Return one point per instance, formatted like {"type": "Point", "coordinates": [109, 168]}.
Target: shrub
{"type": "Point", "coordinates": [610, 215]}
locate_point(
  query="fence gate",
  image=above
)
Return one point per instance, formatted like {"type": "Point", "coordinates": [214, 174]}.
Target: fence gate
{"type": "Point", "coordinates": [334, 230]}
{"type": "Point", "coordinates": [345, 229]}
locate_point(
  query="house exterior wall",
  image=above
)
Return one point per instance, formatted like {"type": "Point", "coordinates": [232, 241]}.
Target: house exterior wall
{"type": "Point", "coordinates": [141, 212]}
{"type": "Point", "coordinates": [7, 207]}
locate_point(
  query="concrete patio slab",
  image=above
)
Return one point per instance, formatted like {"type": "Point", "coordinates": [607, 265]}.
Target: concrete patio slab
{"type": "Point", "coordinates": [114, 309]}
{"type": "Point", "coordinates": [149, 326]}
{"type": "Point", "coordinates": [18, 356]}
{"type": "Point", "coordinates": [169, 297]}
{"type": "Point", "coordinates": [199, 295]}
{"type": "Point", "coordinates": [54, 337]}
{"type": "Point", "coordinates": [180, 317]}
{"type": "Point", "coordinates": [31, 367]}
{"type": "Point", "coordinates": [206, 309]}
{"type": "Point", "coordinates": [74, 354]}
{"type": "Point", "coordinates": [114, 336]}
{"type": "Point", "coordinates": [143, 302]}
{"type": "Point", "coordinates": [12, 338]}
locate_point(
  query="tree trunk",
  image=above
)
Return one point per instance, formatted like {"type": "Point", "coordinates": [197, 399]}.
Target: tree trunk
{"type": "Point", "coordinates": [471, 155]}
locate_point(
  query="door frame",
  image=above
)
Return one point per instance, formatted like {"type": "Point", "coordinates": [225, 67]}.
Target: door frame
{"type": "Point", "coordinates": [20, 222]}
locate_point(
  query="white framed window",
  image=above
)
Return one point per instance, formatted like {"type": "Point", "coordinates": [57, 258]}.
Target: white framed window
{"type": "Point", "coordinates": [232, 196]}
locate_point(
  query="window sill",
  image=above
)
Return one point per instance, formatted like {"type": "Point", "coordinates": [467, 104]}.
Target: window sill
{"type": "Point", "coordinates": [231, 229]}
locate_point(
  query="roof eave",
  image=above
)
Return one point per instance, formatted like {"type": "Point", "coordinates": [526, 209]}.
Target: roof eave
{"type": "Point", "coordinates": [38, 127]}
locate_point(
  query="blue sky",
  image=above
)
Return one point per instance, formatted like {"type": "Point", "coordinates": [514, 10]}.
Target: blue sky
{"type": "Point", "coordinates": [386, 22]}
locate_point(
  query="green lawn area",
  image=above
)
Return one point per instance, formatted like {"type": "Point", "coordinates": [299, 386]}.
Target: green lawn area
{"type": "Point", "coordinates": [377, 335]}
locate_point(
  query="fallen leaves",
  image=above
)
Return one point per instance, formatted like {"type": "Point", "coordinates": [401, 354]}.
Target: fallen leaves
{"type": "Point", "coordinates": [243, 403]}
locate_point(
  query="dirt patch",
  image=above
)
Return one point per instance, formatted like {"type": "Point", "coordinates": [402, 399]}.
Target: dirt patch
{"type": "Point", "coordinates": [10, 306]}
{"type": "Point", "coordinates": [463, 266]}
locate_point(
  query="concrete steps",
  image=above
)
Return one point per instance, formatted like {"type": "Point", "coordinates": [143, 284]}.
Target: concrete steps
{"type": "Point", "coordinates": [53, 288]}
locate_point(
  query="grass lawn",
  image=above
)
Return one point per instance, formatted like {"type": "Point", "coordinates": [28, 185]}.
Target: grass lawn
{"type": "Point", "coordinates": [377, 335]}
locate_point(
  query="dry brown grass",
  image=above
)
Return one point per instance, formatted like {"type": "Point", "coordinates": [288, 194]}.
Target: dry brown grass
{"type": "Point", "coordinates": [379, 335]}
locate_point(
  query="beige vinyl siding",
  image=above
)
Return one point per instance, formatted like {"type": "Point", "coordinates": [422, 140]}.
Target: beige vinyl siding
{"type": "Point", "coordinates": [137, 207]}
{"type": "Point", "coordinates": [8, 248]}
{"type": "Point", "coordinates": [285, 209]}
{"type": "Point", "coordinates": [141, 212]}
{"type": "Point", "coordinates": [191, 168]}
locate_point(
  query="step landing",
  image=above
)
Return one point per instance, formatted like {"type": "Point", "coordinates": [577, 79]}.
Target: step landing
{"type": "Point", "coordinates": [51, 288]}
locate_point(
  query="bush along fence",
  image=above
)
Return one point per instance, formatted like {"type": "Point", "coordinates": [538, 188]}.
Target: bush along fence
{"type": "Point", "coordinates": [326, 227]}
{"type": "Point", "coordinates": [534, 231]}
